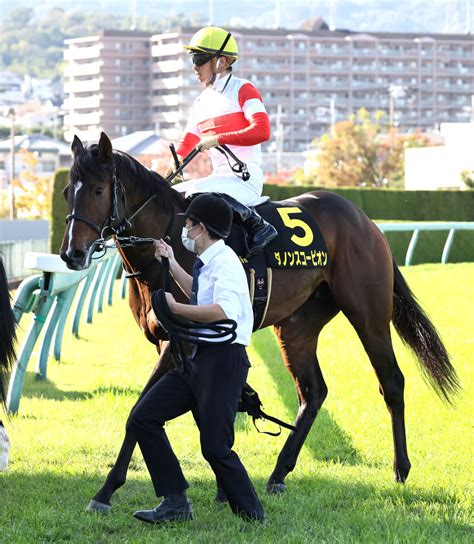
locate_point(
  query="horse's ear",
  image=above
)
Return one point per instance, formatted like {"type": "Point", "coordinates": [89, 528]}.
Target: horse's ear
{"type": "Point", "coordinates": [66, 191]}
{"type": "Point", "coordinates": [76, 146]}
{"type": "Point", "coordinates": [105, 148]}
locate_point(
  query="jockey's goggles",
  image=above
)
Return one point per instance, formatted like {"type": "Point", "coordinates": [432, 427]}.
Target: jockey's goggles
{"type": "Point", "coordinates": [200, 59]}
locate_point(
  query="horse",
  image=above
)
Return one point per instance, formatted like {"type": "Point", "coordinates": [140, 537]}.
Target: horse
{"type": "Point", "coordinates": [7, 333]}
{"type": "Point", "coordinates": [109, 192]}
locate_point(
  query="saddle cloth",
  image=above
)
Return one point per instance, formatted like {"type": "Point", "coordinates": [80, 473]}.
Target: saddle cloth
{"type": "Point", "coordinates": [299, 245]}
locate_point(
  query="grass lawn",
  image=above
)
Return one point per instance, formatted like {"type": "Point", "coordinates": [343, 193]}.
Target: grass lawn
{"type": "Point", "coordinates": [69, 430]}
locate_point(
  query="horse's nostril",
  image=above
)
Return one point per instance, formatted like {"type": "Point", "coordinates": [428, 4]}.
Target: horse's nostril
{"type": "Point", "coordinates": [78, 255]}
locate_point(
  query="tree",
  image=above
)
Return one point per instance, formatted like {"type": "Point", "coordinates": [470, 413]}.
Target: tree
{"type": "Point", "coordinates": [32, 42]}
{"type": "Point", "coordinates": [467, 177]}
{"type": "Point", "coordinates": [32, 191]}
{"type": "Point", "coordinates": [361, 152]}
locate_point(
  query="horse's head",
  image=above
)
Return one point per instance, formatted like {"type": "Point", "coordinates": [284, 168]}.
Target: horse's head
{"type": "Point", "coordinates": [93, 197]}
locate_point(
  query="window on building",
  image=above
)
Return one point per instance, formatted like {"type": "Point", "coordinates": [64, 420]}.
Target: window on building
{"type": "Point", "coordinates": [46, 166]}
{"type": "Point", "coordinates": [125, 98]}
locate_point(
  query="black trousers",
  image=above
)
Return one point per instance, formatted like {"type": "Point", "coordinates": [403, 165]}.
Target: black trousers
{"type": "Point", "coordinates": [210, 386]}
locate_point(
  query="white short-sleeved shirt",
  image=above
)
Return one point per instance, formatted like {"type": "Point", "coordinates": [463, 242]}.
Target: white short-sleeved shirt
{"type": "Point", "coordinates": [222, 281]}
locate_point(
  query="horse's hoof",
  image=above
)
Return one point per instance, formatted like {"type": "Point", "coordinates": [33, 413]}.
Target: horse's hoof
{"type": "Point", "coordinates": [401, 474]}
{"type": "Point", "coordinates": [276, 489]}
{"type": "Point", "coordinates": [98, 507]}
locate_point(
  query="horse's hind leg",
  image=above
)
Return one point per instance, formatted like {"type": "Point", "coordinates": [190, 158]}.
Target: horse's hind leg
{"type": "Point", "coordinates": [378, 345]}
{"type": "Point", "coordinates": [298, 338]}
{"type": "Point", "coordinates": [118, 474]}
{"type": "Point", "coordinates": [365, 295]}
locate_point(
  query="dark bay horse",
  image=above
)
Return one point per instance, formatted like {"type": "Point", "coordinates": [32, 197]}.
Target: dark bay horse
{"type": "Point", "coordinates": [7, 333]}
{"type": "Point", "coordinates": [110, 190]}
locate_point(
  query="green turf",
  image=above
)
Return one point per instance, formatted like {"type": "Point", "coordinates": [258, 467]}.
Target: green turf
{"type": "Point", "coordinates": [69, 430]}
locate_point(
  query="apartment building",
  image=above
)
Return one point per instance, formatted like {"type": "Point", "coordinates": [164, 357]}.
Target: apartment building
{"type": "Point", "coordinates": [309, 78]}
{"type": "Point", "coordinates": [107, 84]}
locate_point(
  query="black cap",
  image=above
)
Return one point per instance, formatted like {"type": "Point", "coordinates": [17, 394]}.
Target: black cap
{"type": "Point", "coordinates": [213, 212]}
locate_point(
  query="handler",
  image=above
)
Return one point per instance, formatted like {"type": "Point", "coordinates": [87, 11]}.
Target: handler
{"type": "Point", "coordinates": [229, 111]}
{"type": "Point", "coordinates": [211, 382]}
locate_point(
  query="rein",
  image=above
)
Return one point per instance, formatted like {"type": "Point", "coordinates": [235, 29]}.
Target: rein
{"type": "Point", "coordinates": [118, 195]}
{"type": "Point", "coordinates": [224, 331]}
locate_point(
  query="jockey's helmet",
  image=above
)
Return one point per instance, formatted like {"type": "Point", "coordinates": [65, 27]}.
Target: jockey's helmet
{"type": "Point", "coordinates": [215, 41]}
{"type": "Point", "coordinates": [213, 212]}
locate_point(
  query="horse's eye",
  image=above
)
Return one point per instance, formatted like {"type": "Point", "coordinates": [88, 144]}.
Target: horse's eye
{"type": "Point", "coordinates": [99, 191]}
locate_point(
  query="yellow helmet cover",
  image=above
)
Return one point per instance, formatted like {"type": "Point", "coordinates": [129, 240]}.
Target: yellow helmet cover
{"type": "Point", "coordinates": [210, 40]}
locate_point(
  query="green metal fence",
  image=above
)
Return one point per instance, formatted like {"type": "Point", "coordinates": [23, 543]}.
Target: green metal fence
{"type": "Point", "coordinates": [50, 295]}
{"type": "Point", "coordinates": [449, 226]}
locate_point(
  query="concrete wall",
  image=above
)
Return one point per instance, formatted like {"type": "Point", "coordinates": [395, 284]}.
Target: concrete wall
{"type": "Point", "coordinates": [440, 167]}
{"type": "Point", "coordinates": [20, 229]}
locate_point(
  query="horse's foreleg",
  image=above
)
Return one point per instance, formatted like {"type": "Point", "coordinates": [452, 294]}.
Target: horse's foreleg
{"type": "Point", "coordinates": [115, 479]}
{"type": "Point", "coordinates": [312, 391]}
{"type": "Point", "coordinates": [118, 474]}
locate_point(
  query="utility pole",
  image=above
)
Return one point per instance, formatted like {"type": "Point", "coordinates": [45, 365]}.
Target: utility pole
{"type": "Point", "coordinates": [277, 13]}
{"type": "Point", "coordinates": [332, 112]}
{"type": "Point", "coordinates": [211, 12]}
{"type": "Point", "coordinates": [11, 114]}
{"type": "Point", "coordinates": [133, 26]}
{"type": "Point", "coordinates": [394, 92]}
{"type": "Point", "coordinates": [332, 7]}
{"type": "Point", "coordinates": [279, 139]}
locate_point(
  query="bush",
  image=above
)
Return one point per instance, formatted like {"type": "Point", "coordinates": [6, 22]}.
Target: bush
{"type": "Point", "coordinates": [396, 204]}
{"type": "Point", "coordinates": [58, 209]}
{"type": "Point", "coordinates": [389, 204]}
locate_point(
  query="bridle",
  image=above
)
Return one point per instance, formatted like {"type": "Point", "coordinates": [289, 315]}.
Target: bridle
{"type": "Point", "coordinates": [113, 225]}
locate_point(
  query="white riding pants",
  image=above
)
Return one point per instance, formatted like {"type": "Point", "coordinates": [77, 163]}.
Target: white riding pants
{"type": "Point", "coordinates": [222, 181]}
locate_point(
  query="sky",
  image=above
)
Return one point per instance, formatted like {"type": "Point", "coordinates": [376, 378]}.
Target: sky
{"type": "Point", "coordinates": [382, 15]}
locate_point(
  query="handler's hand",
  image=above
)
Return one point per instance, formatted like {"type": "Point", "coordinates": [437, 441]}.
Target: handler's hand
{"type": "Point", "coordinates": [207, 142]}
{"type": "Point", "coordinates": [162, 249]}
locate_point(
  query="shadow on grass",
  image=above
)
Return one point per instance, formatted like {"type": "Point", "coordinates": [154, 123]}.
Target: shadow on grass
{"type": "Point", "coordinates": [48, 507]}
{"type": "Point", "coordinates": [326, 441]}
{"type": "Point", "coordinates": [47, 389]}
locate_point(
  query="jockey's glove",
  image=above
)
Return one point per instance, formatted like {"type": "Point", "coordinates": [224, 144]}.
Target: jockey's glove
{"type": "Point", "coordinates": [172, 168]}
{"type": "Point", "coordinates": [207, 142]}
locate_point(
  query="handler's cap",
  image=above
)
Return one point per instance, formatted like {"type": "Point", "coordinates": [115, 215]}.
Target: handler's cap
{"type": "Point", "coordinates": [212, 211]}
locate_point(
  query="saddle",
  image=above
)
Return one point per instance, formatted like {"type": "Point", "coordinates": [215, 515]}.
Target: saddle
{"type": "Point", "coordinates": [299, 245]}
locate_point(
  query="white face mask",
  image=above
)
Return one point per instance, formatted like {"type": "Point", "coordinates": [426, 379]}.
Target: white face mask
{"type": "Point", "coordinates": [187, 242]}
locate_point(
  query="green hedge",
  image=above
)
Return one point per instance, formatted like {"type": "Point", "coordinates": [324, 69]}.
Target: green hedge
{"type": "Point", "coordinates": [396, 204]}
{"type": "Point", "coordinates": [58, 209]}
{"type": "Point", "coordinates": [392, 204]}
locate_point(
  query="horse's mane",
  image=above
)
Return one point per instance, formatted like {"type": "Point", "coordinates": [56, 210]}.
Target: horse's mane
{"type": "Point", "coordinates": [132, 174]}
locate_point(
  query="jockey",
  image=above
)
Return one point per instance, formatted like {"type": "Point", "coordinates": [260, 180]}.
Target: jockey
{"type": "Point", "coordinates": [229, 111]}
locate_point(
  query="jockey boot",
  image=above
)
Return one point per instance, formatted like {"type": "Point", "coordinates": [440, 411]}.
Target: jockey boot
{"type": "Point", "coordinates": [260, 232]}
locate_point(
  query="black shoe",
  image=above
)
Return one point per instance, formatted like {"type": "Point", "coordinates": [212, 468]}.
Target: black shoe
{"type": "Point", "coordinates": [262, 235]}
{"type": "Point", "coordinates": [166, 511]}
{"type": "Point", "coordinates": [253, 516]}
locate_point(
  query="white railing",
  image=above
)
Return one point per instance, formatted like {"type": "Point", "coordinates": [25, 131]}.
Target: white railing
{"type": "Point", "coordinates": [416, 227]}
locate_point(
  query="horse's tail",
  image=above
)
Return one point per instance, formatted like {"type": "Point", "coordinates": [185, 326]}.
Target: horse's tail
{"type": "Point", "coordinates": [7, 332]}
{"type": "Point", "coordinates": [418, 332]}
